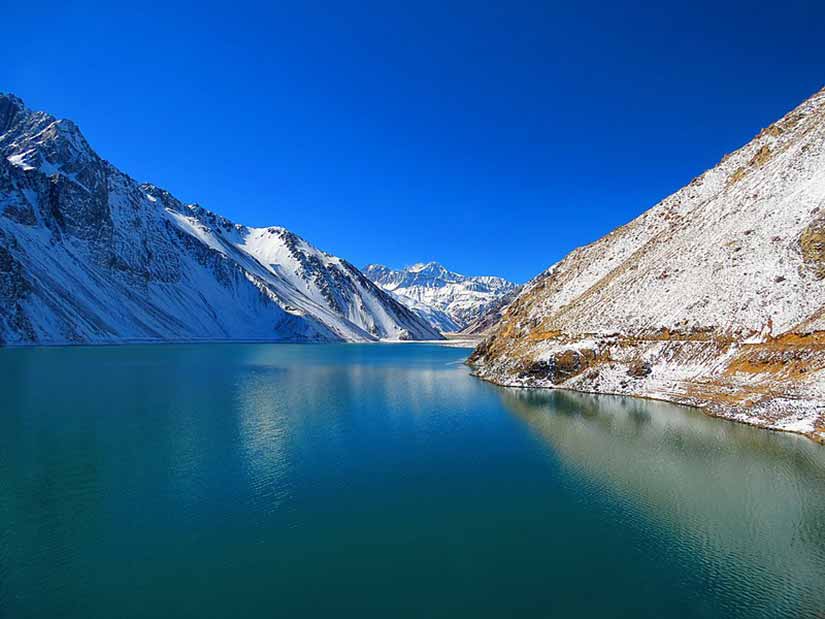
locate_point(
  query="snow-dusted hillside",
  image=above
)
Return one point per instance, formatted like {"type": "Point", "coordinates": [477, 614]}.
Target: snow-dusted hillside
{"type": "Point", "coordinates": [89, 255]}
{"type": "Point", "coordinates": [714, 297]}
{"type": "Point", "coordinates": [449, 301]}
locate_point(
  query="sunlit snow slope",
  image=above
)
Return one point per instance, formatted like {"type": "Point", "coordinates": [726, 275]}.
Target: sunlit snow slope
{"type": "Point", "coordinates": [88, 255]}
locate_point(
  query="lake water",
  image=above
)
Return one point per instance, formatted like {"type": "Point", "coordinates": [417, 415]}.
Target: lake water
{"type": "Point", "coordinates": [263, 480]}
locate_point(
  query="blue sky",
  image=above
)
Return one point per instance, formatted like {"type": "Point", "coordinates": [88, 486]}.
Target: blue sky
{"type": "Point", "coordinates": [493, 137]}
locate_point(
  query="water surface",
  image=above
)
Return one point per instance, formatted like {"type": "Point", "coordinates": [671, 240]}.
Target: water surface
{"type": "Point", "coordinates": [382, 480]}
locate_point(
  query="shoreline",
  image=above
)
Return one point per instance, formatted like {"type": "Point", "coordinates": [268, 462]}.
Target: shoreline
{"type": "Point", "coordinates": [706, 407]}
{"type": "Point", "coordinates": [468, 343]}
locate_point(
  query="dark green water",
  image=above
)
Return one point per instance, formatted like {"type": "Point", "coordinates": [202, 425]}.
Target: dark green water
{"type": "Point", "coordinates": [383, 481]}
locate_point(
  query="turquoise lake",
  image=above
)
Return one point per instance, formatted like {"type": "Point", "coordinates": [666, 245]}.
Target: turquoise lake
{"type": "Point", "coordinates": [256, 480]}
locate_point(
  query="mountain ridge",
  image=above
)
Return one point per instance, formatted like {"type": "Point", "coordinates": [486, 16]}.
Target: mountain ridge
{"type": "Point", "coordinates": [89, 255]}
{"type": "Point", "coordinates": [450, 301]}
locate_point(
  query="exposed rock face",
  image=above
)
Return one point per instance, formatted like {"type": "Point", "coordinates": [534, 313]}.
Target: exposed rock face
{"type": "Point", "coordinates": [88, 255]}
{"type": "Point", "coordinates": [713, 297]}
{"type": "Point", "coordinates": [448, 301]}
{"type": "Point", "coordinates": [812, 244]}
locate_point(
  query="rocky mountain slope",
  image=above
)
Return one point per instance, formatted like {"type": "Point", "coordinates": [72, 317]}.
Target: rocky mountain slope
{"type": "Point", "coordinates": [88, 255]}
{"type": "Point", "coordinates": [715, 297]}
{"type": "Point", "coordinates": [448, 301]}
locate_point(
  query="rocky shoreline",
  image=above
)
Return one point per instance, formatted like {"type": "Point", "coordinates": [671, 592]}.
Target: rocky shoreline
{"type": "Point", "coordinates": [775, 384]}
{"type": "Point", "coordinates": [709, 407]}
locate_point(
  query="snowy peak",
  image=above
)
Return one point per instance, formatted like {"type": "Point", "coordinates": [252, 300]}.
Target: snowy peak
{"type": "Point", "coordinates": [447, 300]}
{"type": "Point", "coordinates": [89, 255]}
{"type": "Point", "coordinates": [10, 106]}
{"type": "Point", "coordinates": [430, 274]}
{"type": "Point", "coordinates": [433, 272]}
{"type": "Point", "coordinates": [39, 139]}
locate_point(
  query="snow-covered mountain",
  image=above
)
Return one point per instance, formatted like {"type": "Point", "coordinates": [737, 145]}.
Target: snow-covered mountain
{"type": "Point", "coordinates": [714, 297]}
{"type": "Point", "coordinates": [89, 255]}
{"type": "Point", "coordinates": [448, 301]}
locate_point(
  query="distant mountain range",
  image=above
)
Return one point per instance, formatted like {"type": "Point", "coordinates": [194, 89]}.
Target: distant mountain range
{"type": "Point", "coordinates": [449, 301]}
{"type": "Point", "coordinates": [715, 297]}
{"type": "Point", "coordinates": [89, 255]}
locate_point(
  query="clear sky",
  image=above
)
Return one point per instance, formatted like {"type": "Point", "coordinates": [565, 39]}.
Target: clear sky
{"type": "Point", "coordinates": [491, 136]}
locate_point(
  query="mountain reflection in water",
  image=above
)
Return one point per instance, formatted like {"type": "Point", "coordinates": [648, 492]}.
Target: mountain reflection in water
{"type": "Point", "coordinates": [728, 493]}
